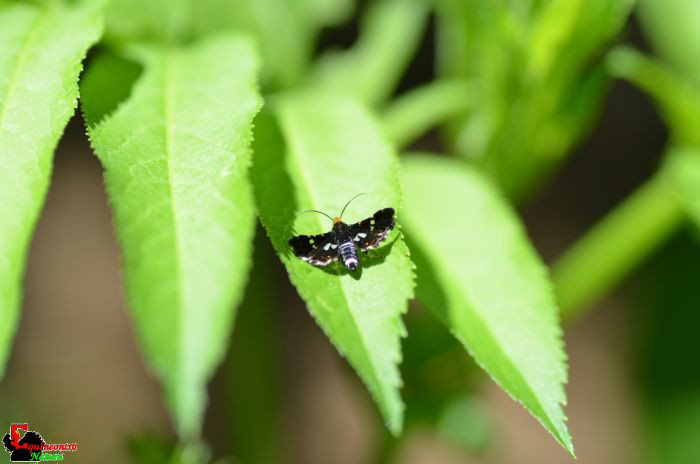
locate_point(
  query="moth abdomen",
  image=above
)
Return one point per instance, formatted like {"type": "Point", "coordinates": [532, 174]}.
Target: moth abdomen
{"type": "Point", "coordinates": [348, 255]}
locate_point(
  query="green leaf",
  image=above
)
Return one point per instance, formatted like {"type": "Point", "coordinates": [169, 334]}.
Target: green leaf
{"type": "Point", "coordinates": [566, 32]}
{"type": "Point", "coordinates": [371, 69]}
{"type": "Point", "coordinates": [40, 59]}
{"type": "Point", "coordinates": [334, 150]}
{"type": "Point", "coordinates": [152, 20]}
{"type": "Point", "coordinates": [682, 169]}
{"type": "Point", "coordinates": [106, 83]}
{"type": "Point", "coordinates": [326, 12]}
{"type": "Point", "coordinates": [176, 155]}
{"type": "Point", "coordinates": [479, 274]}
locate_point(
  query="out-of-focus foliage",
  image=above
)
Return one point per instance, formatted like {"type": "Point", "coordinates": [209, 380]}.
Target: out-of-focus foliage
{"type": "Point", "coordinates": [667, 319]}
{"type": "Point", "coordinates": [176, 155]}
{"type": "Point", "coordinates": [254, 386]}
{"type": "Point", "coordinates": [677, 96]}
{"type": "Point", "coordinates": [466, 259]}
{"type": "Point", "coordinates": [672, 27]}
{"type": "Point", "coordinates": [333, 151]}
{"type": "Point", "coordinates": [683, 169]}
{"type": "Point", "coordinates": [674, 83]}
{"type": "Point", "coordinates": [371, 69]}
{"type": "Point", "coordinates": [616, 245]}
{"type": "Point", "coordinates": [286, 30]}
{"type": "Point", "coordinates": [537, 81]}
{"type": "Point", "coordinates": [411, 115]}
{"type": "Point", "coordinates": [670, 317]}
{"type": "Point", "coordinates": [41, 54]}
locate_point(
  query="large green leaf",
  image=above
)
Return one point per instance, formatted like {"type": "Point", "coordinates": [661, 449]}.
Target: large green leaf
{"type": "Point", "coordinates": [334, 150]}
{"type": "Point", "coordinates": [176, 155]}
{"type": "Point", "coordinates": [479, 274]}
{"type": "Point", "coordinates": [40, 58]}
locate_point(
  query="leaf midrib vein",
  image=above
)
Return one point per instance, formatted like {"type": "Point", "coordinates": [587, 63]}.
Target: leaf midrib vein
{"type": "Point", "coordinates": [29, 41]}
{"type": "Point", "coordinates": [363, 343]}
{"type": "Point", "coordinates": [168, 120]}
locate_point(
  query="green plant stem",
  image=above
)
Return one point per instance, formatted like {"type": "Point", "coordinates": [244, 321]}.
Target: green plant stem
{"type": "Point", "coordinates": [605, 254]}
{"type": "Point", "coordinates": [676, 95]}
{"type": "Point", "coordinates": [412, 114]}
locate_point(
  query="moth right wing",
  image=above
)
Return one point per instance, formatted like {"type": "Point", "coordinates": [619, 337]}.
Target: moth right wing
{"type": "Point", "coordinates": [372, 231]}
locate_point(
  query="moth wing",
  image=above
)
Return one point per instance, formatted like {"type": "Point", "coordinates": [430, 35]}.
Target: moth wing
{"type": "Point", "coordinates": [318, 250]}
{"type": "Point", "coordinates": [369, 233]}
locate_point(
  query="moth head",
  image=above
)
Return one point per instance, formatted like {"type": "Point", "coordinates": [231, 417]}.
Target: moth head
{"type": "Point", "coordinates": [336, 220]}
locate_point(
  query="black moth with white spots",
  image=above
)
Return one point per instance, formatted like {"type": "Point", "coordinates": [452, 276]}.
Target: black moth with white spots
{"type": "Point", "coordinates": [342, 240]}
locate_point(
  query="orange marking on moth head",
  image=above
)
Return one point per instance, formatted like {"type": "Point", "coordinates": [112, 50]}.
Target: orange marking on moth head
{"type": "Point", "coordinates": [336, 220]}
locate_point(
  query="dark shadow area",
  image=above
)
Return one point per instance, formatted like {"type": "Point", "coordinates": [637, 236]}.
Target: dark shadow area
{"type": "Point", "coordinates": [272, 186]}
{"type": "Point", "coordinates": [249, 386]}
{"type": "Point", "coordinates": [421, 68]}
{"type": "Point", "coordinates": [429, 290]}
{"type": "Point", "coordinates": [666, 320]}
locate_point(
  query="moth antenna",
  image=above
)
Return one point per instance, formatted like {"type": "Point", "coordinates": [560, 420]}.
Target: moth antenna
{"type": "Point", "coordinates": [319, 212]}
{"type": "Point", "coordinates": [346, 204]}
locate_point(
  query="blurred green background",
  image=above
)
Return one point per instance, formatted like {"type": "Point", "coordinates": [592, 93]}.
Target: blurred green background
{"type": "Point", "coordinates": [565, 141]}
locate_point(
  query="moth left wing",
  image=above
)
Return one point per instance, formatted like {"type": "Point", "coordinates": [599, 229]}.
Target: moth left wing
{"type": "Point", "coordinates": [318, 250]}
{"type": "Point", "coordinates": [372, 231]}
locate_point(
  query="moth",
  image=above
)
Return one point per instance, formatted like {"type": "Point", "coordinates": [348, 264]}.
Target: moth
{"type": "Point", "coordinates": [343, 240]}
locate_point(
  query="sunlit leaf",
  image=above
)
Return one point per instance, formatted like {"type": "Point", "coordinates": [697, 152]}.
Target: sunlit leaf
{"type": "Point", "coordinates": [566, 32]}
{"type": "Point", "coordinates": [479, 274]}
{"type": "Point", "coordinates": [176, 155]}
{"type": "Point", "coordinates": [41, 50]}
{"type": "Point", "coordinates": [333, 151]}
